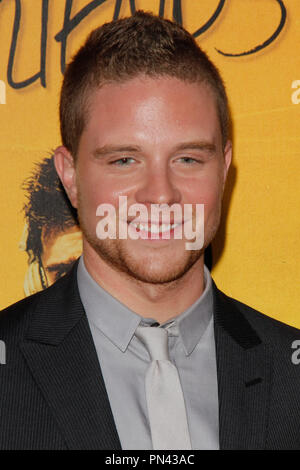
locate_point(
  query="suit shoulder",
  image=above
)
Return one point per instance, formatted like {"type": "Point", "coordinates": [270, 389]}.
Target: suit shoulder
{"type": "Point", "coordinates": [266, 326]}
{"type": "Point", "coordinates": [18, 314]}
{"type": "Point", "coordinates": [15, 318]}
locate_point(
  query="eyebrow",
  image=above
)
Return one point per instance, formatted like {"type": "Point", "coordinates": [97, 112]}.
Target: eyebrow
{"type": "Point", "coordinates": [106, 149]}
{"type": "Point", "coordinates": [60, 266]}
{"type": "Point", "coordinates": [199, 145]}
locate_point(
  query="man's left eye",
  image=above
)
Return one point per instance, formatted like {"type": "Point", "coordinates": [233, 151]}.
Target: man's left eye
{"type": "Point", "coordinates": [189, 160]}
{"type": "Point", "coordinates": [125, 161]}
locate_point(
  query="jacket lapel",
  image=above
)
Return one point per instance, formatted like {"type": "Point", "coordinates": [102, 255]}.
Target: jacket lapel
{"type": "Point", "coordinates": [60, 353]}
{"type": "Point", "coordinates": [244, 377]}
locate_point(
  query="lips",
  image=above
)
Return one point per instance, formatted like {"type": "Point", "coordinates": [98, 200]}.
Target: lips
{"type": "Point", "coordinates": [155, 231]}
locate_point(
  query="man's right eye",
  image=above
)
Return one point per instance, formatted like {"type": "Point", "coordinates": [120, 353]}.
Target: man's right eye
{"type": "Point", "coordinates": [125, 161]}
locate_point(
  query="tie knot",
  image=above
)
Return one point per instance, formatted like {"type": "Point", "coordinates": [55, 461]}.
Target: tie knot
{"type": "Point", "coordinates": [156, 342]}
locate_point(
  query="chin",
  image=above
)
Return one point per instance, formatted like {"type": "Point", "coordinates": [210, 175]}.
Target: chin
{"type": "Point", "coordinates": [154, 268]}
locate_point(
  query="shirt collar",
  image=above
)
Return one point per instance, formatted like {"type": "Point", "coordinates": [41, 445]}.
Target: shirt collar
{"type": "Point", "coordinates": [118, 323]}
{"type": "Point", "coordinates": [193, 322]}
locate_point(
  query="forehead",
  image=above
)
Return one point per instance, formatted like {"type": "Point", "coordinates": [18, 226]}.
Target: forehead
{"type": "Point", "coordinates": [152, 103]}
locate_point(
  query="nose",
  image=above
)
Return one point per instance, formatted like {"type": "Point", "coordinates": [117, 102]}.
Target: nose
{"type": "Point", "coordinates": [158, 187]}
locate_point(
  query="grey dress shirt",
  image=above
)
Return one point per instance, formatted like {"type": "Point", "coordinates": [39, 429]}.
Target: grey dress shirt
{"type": "Point", "coordinates": [124, 361]}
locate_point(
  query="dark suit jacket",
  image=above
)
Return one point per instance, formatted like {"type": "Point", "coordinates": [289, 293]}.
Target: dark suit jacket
{"type": "Point", "coordinates": [52, 394]}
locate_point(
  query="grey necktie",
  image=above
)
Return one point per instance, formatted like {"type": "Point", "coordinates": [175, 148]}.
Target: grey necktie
{"type": "Point", "coordinates": [166, 408]}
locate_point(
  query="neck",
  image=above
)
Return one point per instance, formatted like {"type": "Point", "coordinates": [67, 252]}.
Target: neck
{"type": "Point", "coordinates": [161, 302]}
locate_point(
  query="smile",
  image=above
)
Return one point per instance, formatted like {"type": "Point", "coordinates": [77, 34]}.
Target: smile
{"type": "Point", "coordinates": [154, 228]}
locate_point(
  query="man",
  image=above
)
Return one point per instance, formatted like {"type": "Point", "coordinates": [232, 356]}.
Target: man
{"type": "Point", "coordinates": [51, 237]}
{"type": "Point", "coordinates": [136, 348]}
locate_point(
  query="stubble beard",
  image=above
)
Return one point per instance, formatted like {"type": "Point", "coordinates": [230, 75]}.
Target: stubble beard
{"type": "Point", "coordinates": [118, 257]}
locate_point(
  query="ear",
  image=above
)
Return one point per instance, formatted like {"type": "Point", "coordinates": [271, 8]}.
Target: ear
{"type": "Point", "coordinates": [227, 160]}
{"type": "Point", "coordinates": [65, 167]}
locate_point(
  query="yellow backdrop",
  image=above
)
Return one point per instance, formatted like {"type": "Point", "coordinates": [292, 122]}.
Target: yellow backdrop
{"type": "Point", "coordinates": [257, 252]}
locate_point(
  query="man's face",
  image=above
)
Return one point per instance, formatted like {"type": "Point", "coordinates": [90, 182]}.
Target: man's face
{"type": "Point", "coordinates": [156, 141]}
